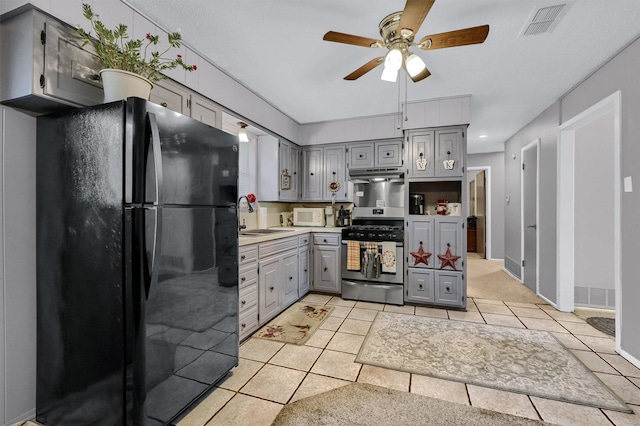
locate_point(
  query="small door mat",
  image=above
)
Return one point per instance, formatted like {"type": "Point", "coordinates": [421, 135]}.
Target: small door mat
{"type": "Point", "coordinates": [606, 325]}
{"type": "Point", "coordinates": [295, 325]}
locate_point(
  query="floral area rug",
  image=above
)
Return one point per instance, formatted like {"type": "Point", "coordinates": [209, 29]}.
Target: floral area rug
{"type": "Point", "coordinates": [295, 325]}
{"type": "Point", "coordinates": [518, 360]}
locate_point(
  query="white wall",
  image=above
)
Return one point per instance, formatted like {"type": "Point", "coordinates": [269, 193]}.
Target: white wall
{"type": "Point", "coordinates": [594, 227]}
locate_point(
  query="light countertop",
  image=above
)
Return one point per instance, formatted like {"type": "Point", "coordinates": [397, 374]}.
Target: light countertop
{"type": "Point", "coordinates": [287, 231]}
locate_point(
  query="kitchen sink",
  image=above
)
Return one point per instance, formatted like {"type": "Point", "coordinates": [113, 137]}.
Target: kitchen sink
{"type": "Point", "coordinates": [258, 232]}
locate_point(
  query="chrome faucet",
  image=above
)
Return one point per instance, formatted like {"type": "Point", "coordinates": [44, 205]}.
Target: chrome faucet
{"type": "Point", "coordinates": [248, 203]}
{"type": "Point", "coordinates": [243, 226]}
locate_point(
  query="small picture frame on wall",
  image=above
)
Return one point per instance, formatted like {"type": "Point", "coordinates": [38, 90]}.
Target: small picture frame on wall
{"type": "Point", "coordinates": [285, 180]}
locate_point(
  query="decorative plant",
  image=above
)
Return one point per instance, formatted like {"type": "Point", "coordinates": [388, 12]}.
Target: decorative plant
{"type": "Point", "coordinates": [116, 50]}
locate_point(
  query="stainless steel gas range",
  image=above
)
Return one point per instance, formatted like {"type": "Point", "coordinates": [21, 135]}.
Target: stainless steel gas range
{"type": "Point", "coordinates": [372, 256]}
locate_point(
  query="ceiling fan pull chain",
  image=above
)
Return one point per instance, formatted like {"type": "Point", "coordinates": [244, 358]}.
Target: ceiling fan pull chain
{"type": "Point", "coordinates": [406, 116]}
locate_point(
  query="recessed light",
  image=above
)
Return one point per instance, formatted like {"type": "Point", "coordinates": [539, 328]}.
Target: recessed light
{"type": "Point", "coordinates": [482, 136]}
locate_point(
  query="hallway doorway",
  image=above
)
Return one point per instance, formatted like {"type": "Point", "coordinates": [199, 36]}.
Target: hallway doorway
{"type": "Point", "coordinates": [479, 202]}
{"type": "Point", "coordinates": [588, 206]}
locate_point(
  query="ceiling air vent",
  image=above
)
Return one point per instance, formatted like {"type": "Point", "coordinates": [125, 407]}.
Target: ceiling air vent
{"type": "Point", "coordinates": [544, 20]}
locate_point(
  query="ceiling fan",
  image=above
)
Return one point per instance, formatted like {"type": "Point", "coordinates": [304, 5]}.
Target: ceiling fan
{"type": "Point", "coordinates": [398, 31]}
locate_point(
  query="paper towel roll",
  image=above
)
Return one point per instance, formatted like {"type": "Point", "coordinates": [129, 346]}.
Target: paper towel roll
{"type": "Point", "coordinates": [262, 217]}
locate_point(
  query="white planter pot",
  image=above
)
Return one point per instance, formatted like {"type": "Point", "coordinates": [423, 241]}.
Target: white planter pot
{"type": "Point", "coordinates": [119, 84]}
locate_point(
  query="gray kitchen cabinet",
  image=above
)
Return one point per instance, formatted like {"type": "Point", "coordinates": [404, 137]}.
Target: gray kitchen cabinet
{"type": "Point", "coordinates": [438, 281]}
{"type": "Point", "coordinates": [248, 290]}
{"type": "Point", "coordinates": [421, 232]}
{"type": "Point", "coordinates": [290, 279]}
{"type": "Point", "coordinates": [448, 152]}
{"type": "Point", "coordinates": [312, 178]}
{"type": "Point", "coordinates": [170, 95]}
{"type": "Point", "coordinates": [420, 286]}
{"type": "Point", "coordinates": [420, 153]}
{"type": "Point", "coordinates": [335, 173]}
{"type": "Point", "coordinates": [49, 70]}
{"type": "Point", "coordinates": [269, 279]}
{"type": "Point", "coordinates": [178, 98]}
{"type": "Point", "coordinates": [361, 155]}
{"type": "Point", "coordinates": [304, 265]}
{"type": "Point", "coordinates": [379, 154]}
{"type": "Point", "coordinates": [388, 153]}
{"type": "Point", "coordinates": [326, 263]}
{"type": "Point", "coordinates": [435, 153]}
{"type": "Point", "coordinates": [449, 233]}
{"type": "Point", "coordinates": [449, 288]}
{"type": "Point", "coordinates": [204, 110]}
{"type": "Point", "coordinates": [276, 158]}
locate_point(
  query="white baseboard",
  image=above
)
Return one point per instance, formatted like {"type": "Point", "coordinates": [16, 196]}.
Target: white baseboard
{"type": "Point", "coordinates": [29, 415]}
{"type": "Point", "coordinates": [626, 355]}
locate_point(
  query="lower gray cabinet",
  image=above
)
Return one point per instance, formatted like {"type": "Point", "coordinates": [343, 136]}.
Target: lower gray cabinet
{"type": "Point", "coordinates": [326, 263]}
{"type": "Point", "coordinates": [269, 284]}
{"type": "Point", "coordinates": [248, 290]}
{"type": "Point", "coordinates": [289, 279]}
{"type": "Point", "coordinates": [449, 288]}
{"type": "Point", "coordinates": [420, 285]}
{"type": "Point", "coordinates": [304, 265]}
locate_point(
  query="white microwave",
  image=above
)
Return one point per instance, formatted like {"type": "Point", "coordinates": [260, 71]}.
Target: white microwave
{"type": "Point", "coordinates": [308, 216]}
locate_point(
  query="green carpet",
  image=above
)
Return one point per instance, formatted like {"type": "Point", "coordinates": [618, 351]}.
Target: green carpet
{"type": "Point", "coordinates": [519, 360]}
{"type": "Point", "coordinates": [364, 404]}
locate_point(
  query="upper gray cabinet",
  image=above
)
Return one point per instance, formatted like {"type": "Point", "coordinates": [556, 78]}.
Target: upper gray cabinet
{"type": "Point", "coordinates": [178, 98]}
{"type": "Point", "coordinates": [278, 176]}
{"type": "Point", "coordinates": [49, 70]}
{"type": "Point", "coordinates": [324, 175]}
{"type": "Point", "coordinates": [379, 154]}
{"type": "Point", "coordinates": [448, 152]}
{"type": "Point", "coordinates": [435, 153]}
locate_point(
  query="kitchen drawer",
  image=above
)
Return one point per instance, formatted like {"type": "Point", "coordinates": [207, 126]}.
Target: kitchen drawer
{"type": "Point", "coordinates": [248, 276]}
{"type": "Point", "coordinates": [304, 240]}
{"type": "Point", "coordinates": [278, 246]}
{"type": "Point", "coordinates": [248, 298]}
{"type": "Point", "coordinates": [326, 239]}
{"type": "Point", "coordinates": [248, 322]}
{"type": "Point", "coordinates": [247, 255]}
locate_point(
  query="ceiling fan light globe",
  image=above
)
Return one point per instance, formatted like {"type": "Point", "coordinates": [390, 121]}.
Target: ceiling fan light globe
{"type": "Point", "coordinates": [389, 74]}
{"type": "Point", "coordinates": [393, 60]}
{"type": "Point", "coordinates": [415, 65]}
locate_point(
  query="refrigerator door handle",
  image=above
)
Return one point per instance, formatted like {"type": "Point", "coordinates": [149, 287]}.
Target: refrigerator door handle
{"type": "Point", "coordinates": [155, 254]}
{"type": "Point", "coordinates": [157, 157]}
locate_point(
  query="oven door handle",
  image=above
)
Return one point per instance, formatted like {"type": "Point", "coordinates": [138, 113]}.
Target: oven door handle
{"type": "Point", "coordinates": [398, 243]}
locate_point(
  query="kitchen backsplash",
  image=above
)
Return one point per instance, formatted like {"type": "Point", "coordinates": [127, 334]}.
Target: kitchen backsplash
{"type": "Point", "coordinates": [274, 209]}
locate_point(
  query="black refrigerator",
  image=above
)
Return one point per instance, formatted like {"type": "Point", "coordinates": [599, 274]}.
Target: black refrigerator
{"type": "Point", "coordinates": [137, 280]}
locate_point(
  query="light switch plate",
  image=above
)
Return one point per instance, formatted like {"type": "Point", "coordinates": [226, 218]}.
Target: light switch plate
{"type": "Point", "coordinates": [628, 185]}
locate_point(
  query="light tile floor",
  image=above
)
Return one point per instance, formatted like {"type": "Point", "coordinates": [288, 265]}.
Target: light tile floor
{"type": "Point", "coordinates": [272, 374]}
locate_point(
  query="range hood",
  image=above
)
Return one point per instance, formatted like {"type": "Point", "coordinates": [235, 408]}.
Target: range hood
{"type": "Point", "coordinates": [389, 174]}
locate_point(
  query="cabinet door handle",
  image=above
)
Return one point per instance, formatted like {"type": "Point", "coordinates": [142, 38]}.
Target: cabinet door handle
{"type": "Point", "coordinates": [325, 269]}
{"type": "Point", "coordinates": [242, 279]}
{"type": "Point", "coordinates": [305, 270]}
{"type": "Point", "coordinates": [360, 156]}
{"type": "Point", "coordinates": [388, 154]}
{"type": "Point", "coordinates": [244, 302]}
{"type": "Point", "coordinates": [325, 241]}
{"type": "Point", "coordinates": [164, 104]}
{"type": "Point", "coordinates": [271, 288]}
{"type": "Point", "coordinates": [311, 174]}
{"type": "Point", "coordinates": [420, 286]}
{"type": "Point", "coordinates": [242, 257]}
{"type": "Point", "coordinates": [243, 325]}
{"type": "Point", "coordinates": [290, 278]}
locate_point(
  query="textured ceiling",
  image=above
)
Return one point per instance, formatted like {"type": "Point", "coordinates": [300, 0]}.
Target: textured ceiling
{"type": "Point", "coordinates": [275, 48]}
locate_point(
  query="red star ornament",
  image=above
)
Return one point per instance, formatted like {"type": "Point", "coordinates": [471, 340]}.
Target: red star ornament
{"type": "Point", "coordinates": [421, 256]}
{"type": "Point", "coordinates": [448, 259]}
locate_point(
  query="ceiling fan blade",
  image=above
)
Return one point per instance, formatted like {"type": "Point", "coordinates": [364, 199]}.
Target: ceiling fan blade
{"type": "Point", "coordinates": [413, 15]}
{"type": "Point", "coordinates": [352, 39]}
{"type": "Point", "coordinates": [474, 35]}
{"type": "Point", "coordinates": [365, 68]}
{"type": "Point", "coordinates": [421, 76]}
